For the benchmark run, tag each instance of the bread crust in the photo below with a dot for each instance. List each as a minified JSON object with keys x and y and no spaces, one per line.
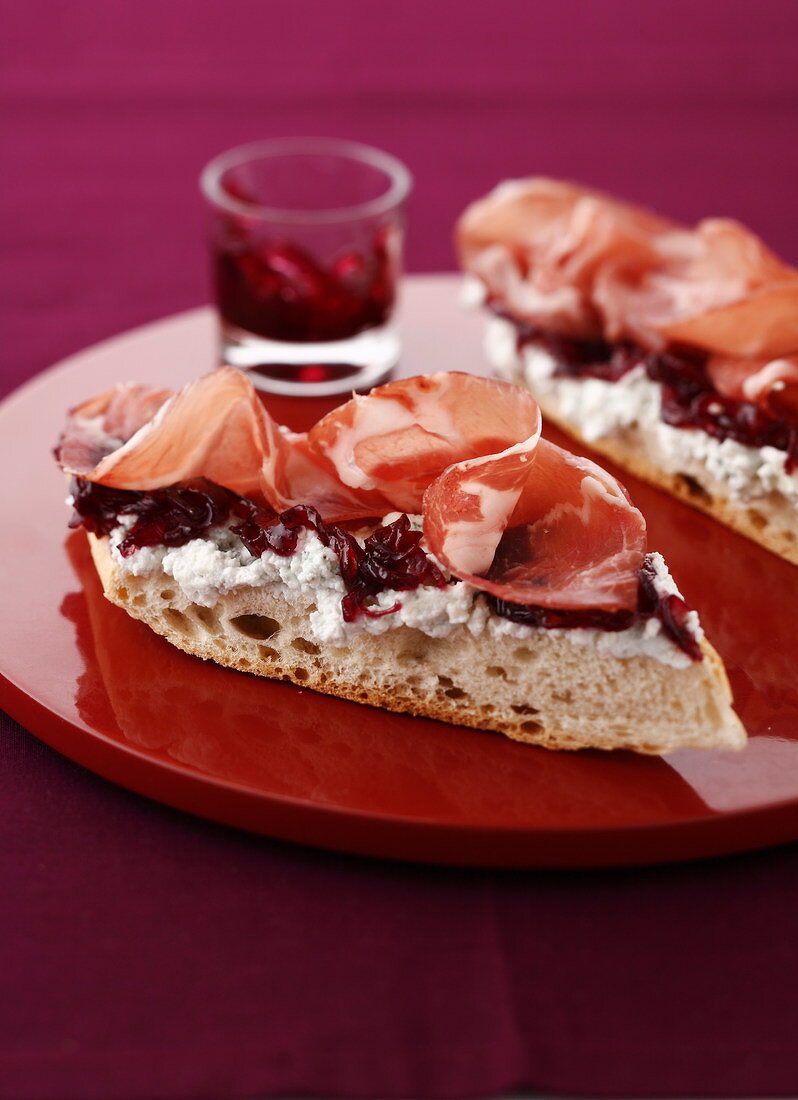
{"x":544,"y":690}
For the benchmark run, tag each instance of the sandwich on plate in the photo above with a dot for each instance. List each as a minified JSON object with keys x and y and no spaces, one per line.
{"x":420,"y":548}
{"x":673,"y":351}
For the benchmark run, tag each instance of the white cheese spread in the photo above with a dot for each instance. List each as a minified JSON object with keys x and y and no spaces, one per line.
{"x":207,"y":568}
{"x":599,"y":409}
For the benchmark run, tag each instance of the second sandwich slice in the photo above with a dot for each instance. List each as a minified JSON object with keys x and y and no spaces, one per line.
{"x":672,"y":351}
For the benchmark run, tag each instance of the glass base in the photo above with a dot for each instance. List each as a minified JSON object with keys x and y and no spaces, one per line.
{"x":312,"y":370}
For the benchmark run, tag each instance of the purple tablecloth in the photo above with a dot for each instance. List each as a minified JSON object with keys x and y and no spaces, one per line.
{"x":144,"y":953}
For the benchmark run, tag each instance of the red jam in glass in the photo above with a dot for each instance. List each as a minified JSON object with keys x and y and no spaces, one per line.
{"x":277,"y":290}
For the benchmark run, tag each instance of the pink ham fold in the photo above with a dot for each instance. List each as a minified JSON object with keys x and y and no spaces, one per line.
{"x":502,"y":509}
{"x":537,"y":525}
{"x":104,"y":423}
{"x":579,"y":263}
{"x":397,"y":440}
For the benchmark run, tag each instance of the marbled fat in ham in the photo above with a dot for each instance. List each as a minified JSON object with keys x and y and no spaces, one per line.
{"x":538,"y":525}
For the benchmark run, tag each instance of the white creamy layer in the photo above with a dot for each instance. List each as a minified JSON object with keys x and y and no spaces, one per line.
{"x":599,"y":409}
{"x":207,"y":568}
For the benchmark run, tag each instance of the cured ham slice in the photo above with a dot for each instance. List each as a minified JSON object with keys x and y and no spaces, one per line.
{"x":771,"y":385}
{"x":502,"y":509}
{"x":102,"y":424}
{"x":537,"y":525}
{"x":775,"y":388}
{"x":214,"y":428}
{"x":373,"y":455}
{"x":539,"y":244}
{"x":394,"y":442}
{"x":576,"y":262}
{"x":718,"y":288}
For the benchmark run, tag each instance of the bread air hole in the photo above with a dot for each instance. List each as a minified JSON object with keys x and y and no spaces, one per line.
{"x":531,"y":727}
{"x":167,"y":594}
{"x":522,"y":654}
{"x":756,"y":519}
{"x":524,"y":708}
{"x":455,"y":693}
{"x":409,"y":656}
{"x":207,"y":616}
{"x":122,"y":594}
{"x":255,"y":626}
{"x":304,"y":646}
{"x":300,"y":674}
{"x":267,"y":652}
{"x":694,"y":488}
{"x":178,"y":622}
{"x":499,"y":673}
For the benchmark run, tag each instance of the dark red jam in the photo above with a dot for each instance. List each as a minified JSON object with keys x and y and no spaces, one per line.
{"x":279,"y":291}
{"x":652,"y":603}
{"x":391,"y":558}
{"x":689,"y":399}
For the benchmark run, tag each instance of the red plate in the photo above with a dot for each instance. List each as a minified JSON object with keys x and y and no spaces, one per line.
{"x":275,"y":759}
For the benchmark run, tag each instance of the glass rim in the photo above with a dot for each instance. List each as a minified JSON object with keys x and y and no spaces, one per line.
{"x":401,"y":181}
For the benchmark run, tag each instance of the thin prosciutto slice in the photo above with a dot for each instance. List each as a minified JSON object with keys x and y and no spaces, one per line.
{"x":214,"y":428}
{"x":372,"y":455}
{"x":102,"y":424}
{"x":582,"y":264}
{"x":394,"y":442}
{"x":537,"y":525}
{"x":501,"y":508}
{"x":717,"y":288}
{"x":538,"y":245}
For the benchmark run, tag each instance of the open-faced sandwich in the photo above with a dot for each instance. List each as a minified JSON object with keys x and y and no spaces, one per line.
{"x":420,"y":549}
{"x":673,"y":351}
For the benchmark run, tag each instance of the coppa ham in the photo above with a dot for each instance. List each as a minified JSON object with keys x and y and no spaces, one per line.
{"x":102,"y":424}
{"x":581,"y":264}
{"x":538,"y":245}
{"x":399,"y":438}
{"x":511,"y":514}
{"x":214,"y":428}
{"x":537,"y":525}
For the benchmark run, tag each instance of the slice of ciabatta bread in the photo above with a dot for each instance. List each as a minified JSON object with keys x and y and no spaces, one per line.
{"x":540,"y":687}
{"x":421,"y":549}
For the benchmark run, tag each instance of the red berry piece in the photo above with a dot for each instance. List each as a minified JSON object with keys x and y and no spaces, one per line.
{"x":298,"y":269}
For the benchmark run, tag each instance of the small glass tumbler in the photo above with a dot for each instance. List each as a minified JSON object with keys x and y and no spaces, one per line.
{"x":306,"y":240}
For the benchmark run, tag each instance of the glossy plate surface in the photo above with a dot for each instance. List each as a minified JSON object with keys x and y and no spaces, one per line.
{"x":273,"y":758}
